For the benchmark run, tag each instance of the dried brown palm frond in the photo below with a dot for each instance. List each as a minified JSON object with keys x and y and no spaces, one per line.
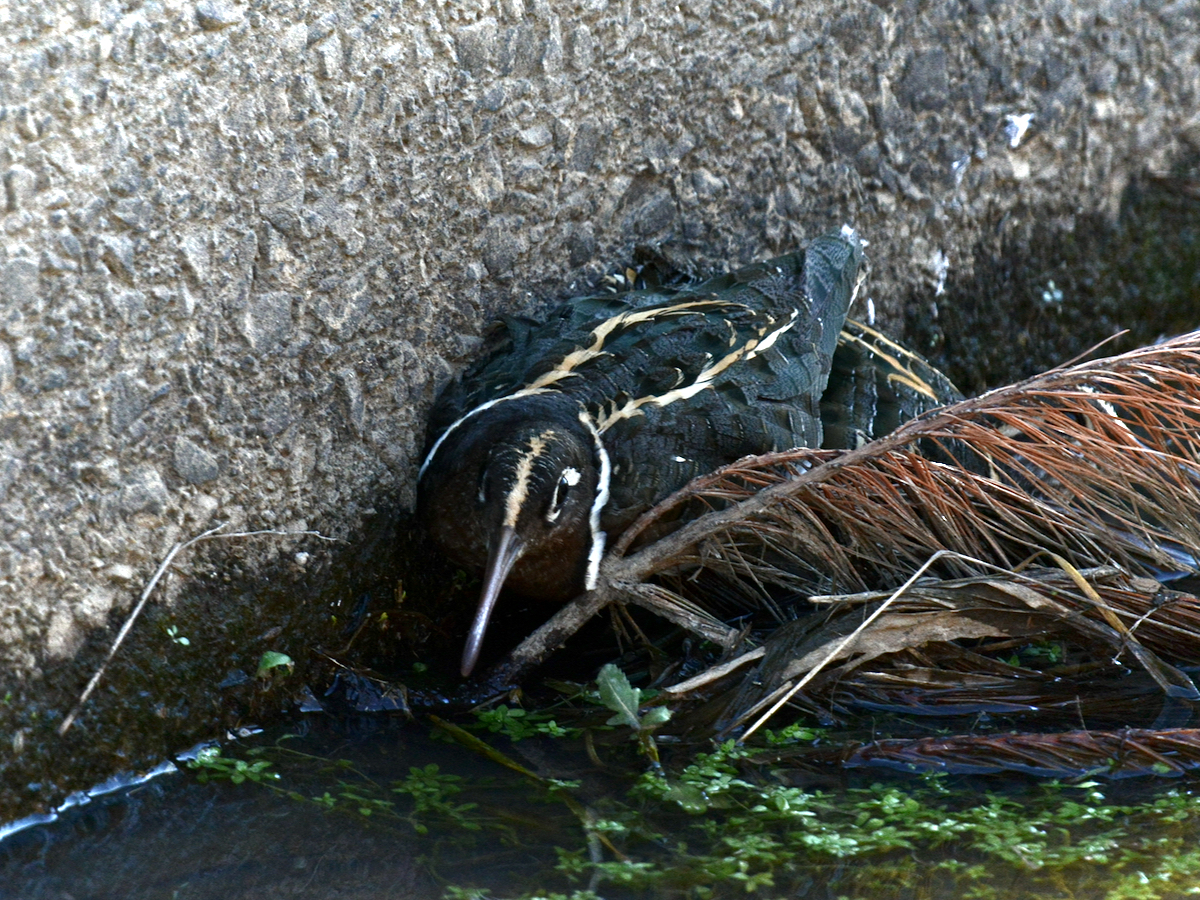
{"x":929,"y":684}
{"x":946,"y":647}
{"x":1099,"y":462}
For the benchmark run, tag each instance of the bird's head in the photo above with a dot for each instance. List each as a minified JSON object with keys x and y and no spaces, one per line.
{"x":511,"y":490}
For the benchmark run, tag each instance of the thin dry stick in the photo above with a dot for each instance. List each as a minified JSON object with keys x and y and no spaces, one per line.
{"x":1079,"y":358}
{"x":845,"y":642}
{"x":212,"y":533}
{"x":712,"y":673}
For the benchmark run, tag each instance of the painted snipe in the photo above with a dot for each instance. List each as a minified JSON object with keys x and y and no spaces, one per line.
{"x":572,"y":428}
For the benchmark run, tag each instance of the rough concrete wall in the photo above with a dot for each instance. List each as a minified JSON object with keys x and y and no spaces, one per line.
{"x":245,"y":242}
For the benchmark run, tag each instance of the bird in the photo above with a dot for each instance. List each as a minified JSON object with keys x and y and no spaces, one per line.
{"x":570,"y":428}
{"x":875,"y":385}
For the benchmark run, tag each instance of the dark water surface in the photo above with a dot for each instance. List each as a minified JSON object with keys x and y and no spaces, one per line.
{"x":174,"y":837}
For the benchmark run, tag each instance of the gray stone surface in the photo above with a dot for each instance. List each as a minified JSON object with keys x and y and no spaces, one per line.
{"x":245,"y":242}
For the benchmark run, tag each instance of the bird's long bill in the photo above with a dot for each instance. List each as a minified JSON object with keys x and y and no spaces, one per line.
{"x":506,"y":551}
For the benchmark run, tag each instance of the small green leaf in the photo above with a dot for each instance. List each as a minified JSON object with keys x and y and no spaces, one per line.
{"x":272,"y":660}
{"x":656,"y":715}
{"x":620,"y":696}
{"x":689,"y":797}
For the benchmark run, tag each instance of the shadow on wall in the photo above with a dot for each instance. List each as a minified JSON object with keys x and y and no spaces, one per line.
{"x":199,"y":655}
{"x":1043,"y":293}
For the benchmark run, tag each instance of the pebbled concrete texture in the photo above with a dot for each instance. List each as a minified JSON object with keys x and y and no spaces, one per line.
{"x":244,"y":243}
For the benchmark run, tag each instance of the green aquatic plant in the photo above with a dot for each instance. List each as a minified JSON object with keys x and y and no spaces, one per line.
{"x":272,"y":660}
{"x":736,"y":821}
{"x":618,"y":695}
{"x":211,"y":765}
{"x":747,"y":837}
{"x":517,"y":724}
{"x":432,"y":792}
{"x":796,"y":733}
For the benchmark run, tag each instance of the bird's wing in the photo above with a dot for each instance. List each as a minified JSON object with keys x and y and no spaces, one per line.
{"x":875,"y":386}
{"x":767,"y":399}
{"x":730,"y":366}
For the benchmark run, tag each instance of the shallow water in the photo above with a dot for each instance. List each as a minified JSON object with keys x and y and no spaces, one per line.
{"x":174,"y":837}
{"x":177,"y":838}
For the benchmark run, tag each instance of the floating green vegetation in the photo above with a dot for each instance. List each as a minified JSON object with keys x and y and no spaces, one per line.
{"x":921,"y":839}
{"x":431,"y":794}
{"x":211,"y":765}
{"x":517,"y":724}
{"x":733,"y":822}
{"x":273,"y":659}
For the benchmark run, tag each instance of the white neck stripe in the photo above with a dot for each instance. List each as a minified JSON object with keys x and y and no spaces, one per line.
{"x":596,"y":551}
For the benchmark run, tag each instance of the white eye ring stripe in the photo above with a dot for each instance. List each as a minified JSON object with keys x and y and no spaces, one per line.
{"x":569,"y":478}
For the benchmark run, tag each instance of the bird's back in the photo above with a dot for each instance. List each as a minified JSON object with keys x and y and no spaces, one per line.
{"x":678,"y":382}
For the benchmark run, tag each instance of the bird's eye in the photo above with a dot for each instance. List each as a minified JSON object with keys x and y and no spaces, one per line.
{"x":567,"y":480}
